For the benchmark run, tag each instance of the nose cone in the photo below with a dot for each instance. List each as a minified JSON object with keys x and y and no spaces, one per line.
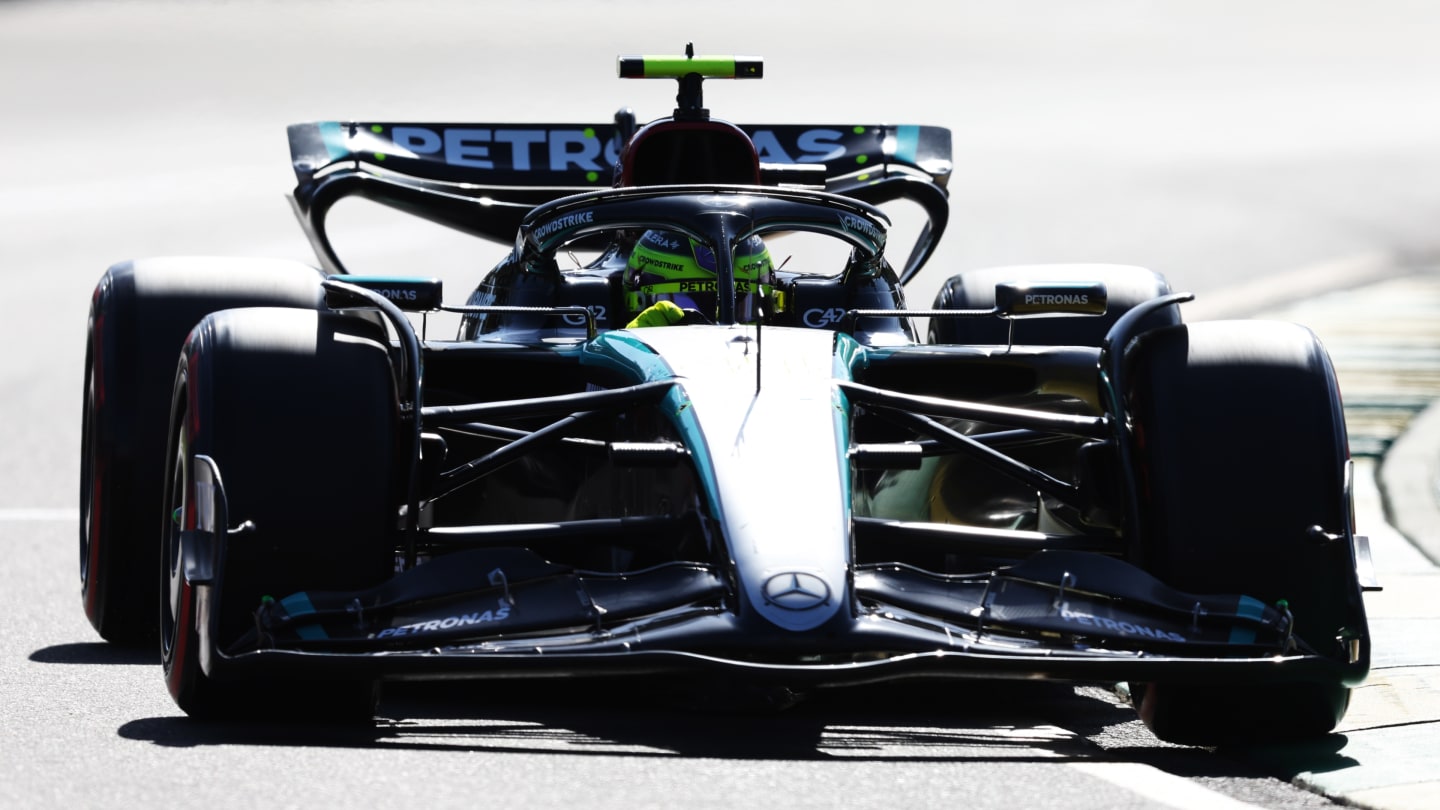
{"x":774,"y":429}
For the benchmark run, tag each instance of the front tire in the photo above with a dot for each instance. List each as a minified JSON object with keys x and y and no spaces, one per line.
{"x":1240,"y":450}
{"x":297,"y":409}
{"x":140,"y":313}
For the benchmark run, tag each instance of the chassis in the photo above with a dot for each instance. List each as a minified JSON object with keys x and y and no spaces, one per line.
{"x":1061,"y":480}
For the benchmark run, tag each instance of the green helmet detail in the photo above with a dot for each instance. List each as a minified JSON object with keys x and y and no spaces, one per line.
{"x":665,"y":265}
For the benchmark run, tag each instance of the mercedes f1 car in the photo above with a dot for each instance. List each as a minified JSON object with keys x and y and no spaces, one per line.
{"x":791,"y":487}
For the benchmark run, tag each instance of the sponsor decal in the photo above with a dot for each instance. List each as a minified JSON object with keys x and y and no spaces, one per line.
{"x":499,"y":614}
{"x":810,"y":146}
{"x":796,"y":590}
{"x":555,"y":150}
{"x":822,"y":318}
{"x":596,"y":311}
{"x":564,"y":149}
{"x":862,"y":226}
{"x":398,"y":294}
{"x":643,"y":261}
{"x":698,"y":286}
{"x":661,"y":239}
{"x":1124,"y":628}
{"x":1052,"y":299}
{"x":561,"y":223}
{"x":753,"y":266}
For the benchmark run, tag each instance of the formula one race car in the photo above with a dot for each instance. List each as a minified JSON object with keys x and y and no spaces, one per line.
{"x":679,"y":456}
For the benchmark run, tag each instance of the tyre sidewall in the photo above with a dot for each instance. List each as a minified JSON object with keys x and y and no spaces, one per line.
{"x":140,"y":314}
{"x":297,"y":410}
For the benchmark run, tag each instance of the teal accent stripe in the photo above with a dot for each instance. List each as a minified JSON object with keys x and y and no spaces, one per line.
{"x":297,"y":604}
{"x":626,"y":354}
{"x":334,"y":137}
{"x":353,"y":279}
{"x":842,"y":366}
{"x":623,"y":352}
{"x":677,"y":402}
{"x":312,"y":632}
{"x":1249,"y":609}
{"x":907,"y":143}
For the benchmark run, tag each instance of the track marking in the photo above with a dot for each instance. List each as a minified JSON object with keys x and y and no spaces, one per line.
{"x":1157,"y":785}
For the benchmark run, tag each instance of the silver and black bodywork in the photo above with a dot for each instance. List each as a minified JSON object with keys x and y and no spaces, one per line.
{"x":819,"y":498}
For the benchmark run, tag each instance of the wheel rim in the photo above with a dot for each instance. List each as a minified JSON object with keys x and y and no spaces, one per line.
{"x":177,"y":509}
{"x":87,"y":480}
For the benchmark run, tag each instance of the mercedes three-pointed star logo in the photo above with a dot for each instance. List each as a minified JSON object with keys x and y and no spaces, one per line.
{"x":795,"y":590}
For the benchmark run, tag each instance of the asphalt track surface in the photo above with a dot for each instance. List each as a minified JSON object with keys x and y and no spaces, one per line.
{"x":1220,"y":143}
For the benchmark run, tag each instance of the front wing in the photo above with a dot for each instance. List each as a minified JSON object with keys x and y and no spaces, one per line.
{"x":506,"y":612}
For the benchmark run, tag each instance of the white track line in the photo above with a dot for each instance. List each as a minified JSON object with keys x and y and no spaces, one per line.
{"x":1157,"y":785}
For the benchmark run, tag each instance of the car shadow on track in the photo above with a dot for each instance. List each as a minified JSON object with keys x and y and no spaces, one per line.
{"x":98,"y":653}
{"x":979,"y":721}
{"x":982,"y":720}
{"x":913,"y":721}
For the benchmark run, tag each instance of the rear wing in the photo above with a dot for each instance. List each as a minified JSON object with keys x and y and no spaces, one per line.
{"x":583,"y":156}
{"x":483,"y":178}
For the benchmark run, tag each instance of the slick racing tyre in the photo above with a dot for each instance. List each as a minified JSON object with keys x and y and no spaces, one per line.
{"x":140,"y":313}
{"x":1240,"y":450}
{"x":297,"y":409}
{"x":975,"y":289}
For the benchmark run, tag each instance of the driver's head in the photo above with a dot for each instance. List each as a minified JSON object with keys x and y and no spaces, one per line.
{"x":667,"y":266}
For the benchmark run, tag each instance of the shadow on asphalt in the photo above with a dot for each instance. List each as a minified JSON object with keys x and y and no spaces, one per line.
{"x":1311,"y":756}
{"x":979,"y":721}
{"x":96,"y":652}
{"x":649,"y":718}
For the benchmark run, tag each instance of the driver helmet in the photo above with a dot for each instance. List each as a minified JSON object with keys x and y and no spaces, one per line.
{"x":668,"y":266}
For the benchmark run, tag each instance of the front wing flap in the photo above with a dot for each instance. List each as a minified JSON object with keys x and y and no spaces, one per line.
{"x":507,"y":613}
{"x":500,"y":592}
